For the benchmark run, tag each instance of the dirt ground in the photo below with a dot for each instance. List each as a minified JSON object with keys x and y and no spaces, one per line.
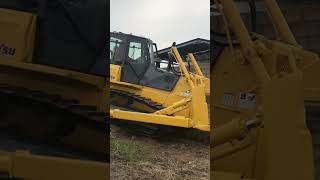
{"x":136,"y":157}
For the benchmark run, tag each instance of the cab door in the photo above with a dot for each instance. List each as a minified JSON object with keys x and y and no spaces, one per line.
{"x":136,"y":61}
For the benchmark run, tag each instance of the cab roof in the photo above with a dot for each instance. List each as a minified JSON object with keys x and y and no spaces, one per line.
{"x":130,"y":35}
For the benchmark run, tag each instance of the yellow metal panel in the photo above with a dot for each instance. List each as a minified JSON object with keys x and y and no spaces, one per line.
{"x":47,"y":70}
{"x":17,"y":33}
{"x":34,"y":167}
{"x":126,"y":85}
{"x":199,"y":108}
{"x":285,"y":136}
{"x":195,"y":64}
{"x":245,"y":40}
{"x":115,"y":72}
{"x":280,"y":22}
{"x":178,"y":121}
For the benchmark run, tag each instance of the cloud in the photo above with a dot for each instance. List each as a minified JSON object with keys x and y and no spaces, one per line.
{"x":162,"y":21}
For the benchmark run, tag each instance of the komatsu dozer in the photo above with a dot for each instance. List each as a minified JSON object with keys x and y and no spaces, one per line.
{"x":53,"y":90}
{"x":264,"y":102}
{"x":150,"y":96}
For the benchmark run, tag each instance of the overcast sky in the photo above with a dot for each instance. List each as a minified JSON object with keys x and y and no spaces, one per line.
{"x":163,"y":21}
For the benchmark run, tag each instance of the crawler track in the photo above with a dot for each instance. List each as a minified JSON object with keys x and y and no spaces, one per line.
{"x":142,"y":129}
{"x":146,"y":101}
{"x":47,"y":119}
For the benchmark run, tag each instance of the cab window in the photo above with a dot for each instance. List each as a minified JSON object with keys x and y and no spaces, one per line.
{"x":117,"y":50}
{"x":138,"y":57}
{"x":135,"y":51}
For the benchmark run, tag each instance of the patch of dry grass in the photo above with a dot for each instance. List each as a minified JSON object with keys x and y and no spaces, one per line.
{"x":128,"y":150}
{"x":158,"y":160}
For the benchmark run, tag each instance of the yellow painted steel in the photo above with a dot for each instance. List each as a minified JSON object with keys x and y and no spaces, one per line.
{"x":279,"y":21}
{"x":18,"y":30}
{"x":230,"y":130}
{"x":87,"y":88}
{"x":195,"y":64}
{"x":178,"y":106}
{"x":258,"y":123}
{"x":245,"y":40}
{"x":185,"y":72}
{"x":115,"y":73}
{"x":199,"y":73}
{"x":184,"y":106}
{"x":178,"y":121}
{"x":24,"y":165}
{"x":22,"y":37}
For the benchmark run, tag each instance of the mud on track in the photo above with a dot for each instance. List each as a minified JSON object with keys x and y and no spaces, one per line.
{"x":136,"y":157}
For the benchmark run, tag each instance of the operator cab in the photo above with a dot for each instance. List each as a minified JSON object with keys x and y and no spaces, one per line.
{"x":137,"y":58}
{"x":68,"y":34}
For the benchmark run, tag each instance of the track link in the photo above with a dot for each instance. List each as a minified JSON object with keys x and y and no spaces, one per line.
{"x":141,"y":129}
{"x":62,"y":116}
{"x":68,"y":105}
{"x":143,"y":100}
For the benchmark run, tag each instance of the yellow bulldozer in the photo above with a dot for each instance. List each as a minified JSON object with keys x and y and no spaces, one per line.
{"x":150,"y":96}
{"x":54,"y":89}
{"x":264,"y":102}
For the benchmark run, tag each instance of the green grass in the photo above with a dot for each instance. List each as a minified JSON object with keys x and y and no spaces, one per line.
{"x":129,"y":150}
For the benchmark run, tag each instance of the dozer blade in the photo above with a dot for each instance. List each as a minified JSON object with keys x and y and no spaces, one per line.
{"x":284,"y":121}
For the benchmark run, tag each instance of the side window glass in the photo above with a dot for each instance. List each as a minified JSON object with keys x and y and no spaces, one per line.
{"x":135,"y":51}
{"x":117,"y":50}
{"x":137,"y":57}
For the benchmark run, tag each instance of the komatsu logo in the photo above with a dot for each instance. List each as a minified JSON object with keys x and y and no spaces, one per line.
{"x":6,"y":50}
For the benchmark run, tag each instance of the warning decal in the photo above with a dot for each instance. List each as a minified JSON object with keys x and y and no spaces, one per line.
{"x":247,"y":100}
{"x":228,"y":99}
